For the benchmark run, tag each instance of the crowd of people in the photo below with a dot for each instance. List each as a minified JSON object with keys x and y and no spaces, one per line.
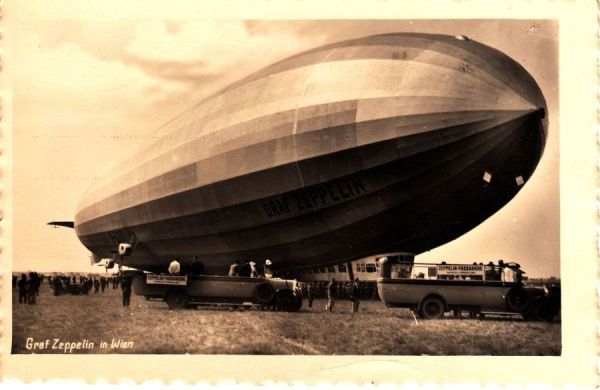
{"x":334,"y":290}
{"x":28,"y":285}
{"x":249,"y":269}
{"x":82,"y":284}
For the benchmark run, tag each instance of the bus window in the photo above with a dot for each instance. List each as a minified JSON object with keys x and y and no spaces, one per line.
{"x":341,"y":268}
{"x":432,"y":272}
{"x":371,"y":268}
{"x":362,"y":268}
{"x":331,"y":269}
{"x":322,"y":270}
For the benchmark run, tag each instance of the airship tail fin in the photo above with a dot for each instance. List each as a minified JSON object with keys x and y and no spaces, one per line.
{"x":69,"y":224}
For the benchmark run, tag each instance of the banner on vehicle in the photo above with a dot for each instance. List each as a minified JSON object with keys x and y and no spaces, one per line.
{"x":173,"y":280}
{"x":460,"y":269}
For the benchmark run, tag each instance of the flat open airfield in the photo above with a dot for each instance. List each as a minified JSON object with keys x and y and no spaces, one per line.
{"x":375,"y":330}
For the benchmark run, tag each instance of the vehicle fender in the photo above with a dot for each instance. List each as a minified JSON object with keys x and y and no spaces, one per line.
{"x":430,"y":296}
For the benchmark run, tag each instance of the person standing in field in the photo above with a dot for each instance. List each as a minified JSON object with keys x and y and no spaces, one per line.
{"x":330,"y":295}
{"x":309,"y":294}
{"x":355,"y":296}
{"x":126,"y":289}
{"x":31,"y":283}
{"x":35,"y":280}
{"x":22,"y":285}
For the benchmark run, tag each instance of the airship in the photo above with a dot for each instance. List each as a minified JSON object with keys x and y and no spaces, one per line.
{"x":387,"y":143}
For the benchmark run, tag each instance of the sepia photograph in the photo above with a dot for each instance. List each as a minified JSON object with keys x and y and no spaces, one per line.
{"x":286,"y":187}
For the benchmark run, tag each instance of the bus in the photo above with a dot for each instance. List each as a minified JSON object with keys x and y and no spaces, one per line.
{"x":431,"y":289}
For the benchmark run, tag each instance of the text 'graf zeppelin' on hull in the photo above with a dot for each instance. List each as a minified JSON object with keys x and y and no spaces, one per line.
{"x":397,"y":142}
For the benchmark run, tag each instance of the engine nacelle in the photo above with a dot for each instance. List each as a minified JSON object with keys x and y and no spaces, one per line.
{"x":124,"y":249}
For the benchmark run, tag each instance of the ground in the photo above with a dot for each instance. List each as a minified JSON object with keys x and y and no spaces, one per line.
{"x":153,"y":328}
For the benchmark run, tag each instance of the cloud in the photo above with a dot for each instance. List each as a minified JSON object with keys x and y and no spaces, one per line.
{"x":219,"y":48}
{"x":52,"y":81}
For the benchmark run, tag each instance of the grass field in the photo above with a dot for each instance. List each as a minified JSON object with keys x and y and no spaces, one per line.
{"x":152,"y":328}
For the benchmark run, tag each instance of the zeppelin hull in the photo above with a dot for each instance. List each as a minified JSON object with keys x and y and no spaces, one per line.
{"x":399,"y":142}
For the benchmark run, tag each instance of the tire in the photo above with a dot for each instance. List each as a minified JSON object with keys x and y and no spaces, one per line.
{"x":177,"y":299}
{"x":542,"y":311}
{"x":298,"y":302}
{"x":517,"y":300}
{"x":286,"y":301}
{"x":432,"y":308}
{"x":263,"y":293}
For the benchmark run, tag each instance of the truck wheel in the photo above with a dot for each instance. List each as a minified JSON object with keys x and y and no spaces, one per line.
{"x":298,"y":305}
{"x":432,"y":308}
{"x":264,"y":293}
{"x":543,"y":312}
{"x":177,"y":299}
{"x":285,"y":300}
{"x":517,"y":300}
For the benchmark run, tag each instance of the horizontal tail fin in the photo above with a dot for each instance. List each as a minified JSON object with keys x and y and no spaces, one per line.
{"x":69,"y":224}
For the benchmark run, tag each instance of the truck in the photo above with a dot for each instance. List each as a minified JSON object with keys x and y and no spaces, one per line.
{"x":431,"y":290}
{"x":184,"y":291}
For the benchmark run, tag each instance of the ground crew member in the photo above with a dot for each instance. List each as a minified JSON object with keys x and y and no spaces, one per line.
{"x":519,"y":274}
{"x":309,"y":294}
{"x":88,"y":286}
{"x":355,"y":296}
{"x":96,"y":285}
{"x":244,"y":270}
{"x":102,"y":284}
{"x":57,"y":286}
{"x":330,"y":295}
{"x":233,"y":268}
{"x":253,"y":272}
{"x":31,"y":283}
{"x":126,"y":289}
{"x":508,"y":274}
{"x":267,"y":269}
{"x":174,"y":267}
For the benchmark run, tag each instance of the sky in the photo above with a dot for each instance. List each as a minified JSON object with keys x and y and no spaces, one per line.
{"x":87,"y":91}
